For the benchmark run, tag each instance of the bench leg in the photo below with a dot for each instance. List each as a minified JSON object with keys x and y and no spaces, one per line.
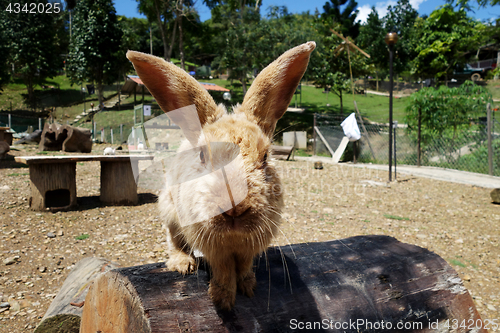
{"x":53,"y":186}
{"x":118,"y":186}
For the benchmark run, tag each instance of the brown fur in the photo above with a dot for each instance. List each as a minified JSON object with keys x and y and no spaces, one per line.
{"x":229,"y":241}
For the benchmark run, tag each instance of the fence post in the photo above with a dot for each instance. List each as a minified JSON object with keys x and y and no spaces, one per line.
{"x":40,"y":124}
{"x":95,"y":129}
{"x":419,"y":149}
{"x":121,"y":133}
{"x":10,"y":121}
{"x":102,"y":135}
{"x":314,"y":135}
{"x":490,"y":147}
{"x":112,"y":141}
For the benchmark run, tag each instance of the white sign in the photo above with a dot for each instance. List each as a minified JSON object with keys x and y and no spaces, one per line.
{"x":296,"y":139}
{"x":147,"y":110}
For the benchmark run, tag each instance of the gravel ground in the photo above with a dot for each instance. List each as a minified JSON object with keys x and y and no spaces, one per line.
{"x":38,"y":249}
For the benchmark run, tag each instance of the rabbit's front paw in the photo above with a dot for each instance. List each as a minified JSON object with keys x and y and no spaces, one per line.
{"x":247,"y":283}
{"x":221,"y":295}
{"x":182,"y":263}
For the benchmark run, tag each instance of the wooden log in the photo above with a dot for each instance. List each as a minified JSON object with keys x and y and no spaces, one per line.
{"x":118,"y":186}
{"x":63,"y":315}
{"x":53,"y":186}
{"x":52,"y":137}
{"x":4,"y":149}
{"x":79,"y":140}
{"x":350,"y":285}
{"x":495,"y":195}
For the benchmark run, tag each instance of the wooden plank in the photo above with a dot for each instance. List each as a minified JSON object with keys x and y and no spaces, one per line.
{"x":340,"y":149}
{"x":324,"y":141}
{"x":79,"y":158}
{"x":282,"y":152}
{"x":66,"y":309}
{"x":365,"y":280}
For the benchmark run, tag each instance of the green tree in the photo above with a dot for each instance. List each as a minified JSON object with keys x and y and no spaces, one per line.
{"x":94,"y":51}
{"x":343,"y":13}
{"x":445,"y":39}
{"x":371,"y":40}
{"x":238,"y":23}
{"x":401,"y":19}
{"x":445,"y":108}
{"x":34,"y":47}
{"x":4,"y":45}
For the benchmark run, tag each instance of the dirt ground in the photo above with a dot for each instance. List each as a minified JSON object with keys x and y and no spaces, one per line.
{"x":38,"y":249}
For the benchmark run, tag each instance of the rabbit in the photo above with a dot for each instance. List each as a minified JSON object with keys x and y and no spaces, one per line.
{"x":231,"y":238}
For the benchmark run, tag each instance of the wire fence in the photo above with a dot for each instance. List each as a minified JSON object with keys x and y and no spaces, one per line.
{"x":21,"y":123}
{"x":464,"y":148}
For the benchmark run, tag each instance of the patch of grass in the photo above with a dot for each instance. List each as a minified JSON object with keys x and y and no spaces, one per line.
{"x":394,"y":217}
{"x":82,"y":237}
{"x":314,"y":211}
{"x":457,"y":262}
{"x":15,"y":174}
{"x":42,"y":153}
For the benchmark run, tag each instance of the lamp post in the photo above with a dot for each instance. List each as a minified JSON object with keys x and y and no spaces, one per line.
{"x":390,"y":39}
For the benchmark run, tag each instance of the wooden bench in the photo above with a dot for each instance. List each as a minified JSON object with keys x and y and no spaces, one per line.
{"x":6,"y":135}
{"x":282,"y":152}
{"x":53,"y":179}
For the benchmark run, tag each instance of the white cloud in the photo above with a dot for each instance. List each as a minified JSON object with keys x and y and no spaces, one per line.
{"x":416,"y":3}
{"x":381,"y":8}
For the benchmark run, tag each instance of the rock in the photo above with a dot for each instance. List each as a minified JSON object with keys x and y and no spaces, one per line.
{"x":495,"y":195}
{"x":328,"y":210}
{"x":5,"y":305}
{"x":14,"y":306}
{"x":4,"y":188}
{"x":491,"y":307}
{"x":459,"y":241}
{"x":11,"y":260}
{"x":421,"y":236}
{"x":466,"y":277}
{"x":42,"y":269}
{"x":60,"y":233}
{"x":51,"y":235}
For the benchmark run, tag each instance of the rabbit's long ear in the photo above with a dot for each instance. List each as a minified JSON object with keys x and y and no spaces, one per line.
{"x":172,"y":87}
{"x":269,"y":96}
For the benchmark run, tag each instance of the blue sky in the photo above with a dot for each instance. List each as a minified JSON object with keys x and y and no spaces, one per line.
{"x":424,"y":7}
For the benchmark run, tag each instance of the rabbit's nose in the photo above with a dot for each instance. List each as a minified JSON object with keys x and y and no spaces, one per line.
{"x":235,"y":211}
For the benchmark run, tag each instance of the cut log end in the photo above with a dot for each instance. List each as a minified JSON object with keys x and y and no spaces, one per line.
{"x":61,"y":323}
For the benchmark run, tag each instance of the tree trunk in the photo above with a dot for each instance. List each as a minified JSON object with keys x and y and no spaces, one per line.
{"x":181,"y":46}
{"x":364,"y":280}
{"x":243,"y":80}
{"x":162,"y":31}
{"x":341,"y":104}
{"x":172,"y":41}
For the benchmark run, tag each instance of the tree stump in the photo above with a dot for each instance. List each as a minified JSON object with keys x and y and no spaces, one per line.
{"x":79,"y":140}
{"x":66,"y":309}
{"x":4,"y":149}
{"x":495,"y":195}
{"x":351,"y":285}
{"x":67,"y":138}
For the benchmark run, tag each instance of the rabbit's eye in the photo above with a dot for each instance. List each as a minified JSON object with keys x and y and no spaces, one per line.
{"x":202,"y":157}
{"x":264,"y":161}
